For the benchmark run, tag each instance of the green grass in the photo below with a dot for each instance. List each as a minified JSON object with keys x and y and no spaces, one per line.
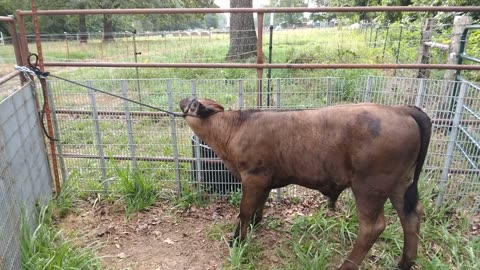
{"x":190,"y":196}
{"x":47,"y":248}
{"x":136,"y":191}
{"x":235,"y":198}
{"x":244,"y":254}
{"x":326,"y":238}
{"x":218,"y":231}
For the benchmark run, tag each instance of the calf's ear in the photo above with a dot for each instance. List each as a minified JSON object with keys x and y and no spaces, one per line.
{"x":203,"y":110}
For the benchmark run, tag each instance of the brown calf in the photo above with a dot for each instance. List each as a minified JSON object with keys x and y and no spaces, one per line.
{"x":377,"y":151}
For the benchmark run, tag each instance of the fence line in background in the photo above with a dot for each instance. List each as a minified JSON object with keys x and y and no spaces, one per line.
{"x":166,"y":150}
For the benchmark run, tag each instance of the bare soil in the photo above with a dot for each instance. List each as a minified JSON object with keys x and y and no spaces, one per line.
{"x":166,"y":238}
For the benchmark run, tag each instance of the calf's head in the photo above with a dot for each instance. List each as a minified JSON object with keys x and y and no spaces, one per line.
{"x":197,"y":112}
{"x":199,"y":108}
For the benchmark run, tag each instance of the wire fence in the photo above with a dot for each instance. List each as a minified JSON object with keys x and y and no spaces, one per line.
{"x":325,"y":44}
{"x":92,"y":128}
{"x":25,"y":181}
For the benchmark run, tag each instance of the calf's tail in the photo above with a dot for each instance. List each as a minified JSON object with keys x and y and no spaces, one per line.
{"x":425,"y":126}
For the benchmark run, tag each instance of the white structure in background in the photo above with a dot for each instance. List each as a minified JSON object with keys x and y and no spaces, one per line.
{"x":2,"y":41}
{"x":354,"y":26}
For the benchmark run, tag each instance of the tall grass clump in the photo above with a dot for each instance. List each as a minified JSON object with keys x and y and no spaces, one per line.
{"x":190,"y":196}
{"x":47,"y":248}
{"x":243,"y":254}
{"x":137,"y":192}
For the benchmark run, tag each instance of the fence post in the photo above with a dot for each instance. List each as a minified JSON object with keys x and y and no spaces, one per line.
{"x":399,"y":43}
{"x":240,"y":94}
{"x":174,"y":137}
{"x":368,"y":90}
{"x":451,"y":145}
{"x":57,"y":133}
{"x":459,"y":24}
{"x":98,"y":135}
{"x":260,"y":59}
{"x":424,"y":50}
{"x":329,"y":91}
{"x":376,"y":35}
{"x":421,"y":90}
{"x":279,"y":190}
{"x":128,"y":120}
{"x":385,"y":41}
{"x":370,"y":36}
{"x":198,"y":164}
{"x":278,"y":94}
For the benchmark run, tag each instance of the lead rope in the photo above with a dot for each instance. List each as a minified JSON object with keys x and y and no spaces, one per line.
{"x":34,"y":70}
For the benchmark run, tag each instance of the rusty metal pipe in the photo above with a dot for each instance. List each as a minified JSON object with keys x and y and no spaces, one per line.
{"x":9,"y":76}
{"x":259,"y":57}
{"x":48,"y":114}
{"x":6,"y":19}
{"x":264,"y":65}
{"x":254,"y":10}
{"x":16,"y":45}
{"x":22,"y":40}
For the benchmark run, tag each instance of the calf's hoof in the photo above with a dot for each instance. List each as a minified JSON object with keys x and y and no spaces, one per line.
{"x":348,"y":265}
{"x":405,"y":265}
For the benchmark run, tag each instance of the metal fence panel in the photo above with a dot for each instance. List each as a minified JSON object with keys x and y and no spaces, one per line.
{"x":166,"y":149}
{"x":24,"y":170}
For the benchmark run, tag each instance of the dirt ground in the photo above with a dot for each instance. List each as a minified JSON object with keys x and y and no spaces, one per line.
{"x":165,"y":238}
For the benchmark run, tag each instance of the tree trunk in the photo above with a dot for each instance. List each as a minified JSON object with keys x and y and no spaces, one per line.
{"x":82,"y":28}
{"x":107,"y":28}
{"x":243,"y":38}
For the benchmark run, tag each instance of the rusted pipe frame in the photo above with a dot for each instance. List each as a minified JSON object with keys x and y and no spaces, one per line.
{"x":263,"y":66}
{"x":9,"y":76}
{"x":254,"y":10}
{"x":259,"y":58}
{"x":22,"y":39}
{"x":16,"y":45}
{"x":48,"y":113}
{"x":6,"y":19}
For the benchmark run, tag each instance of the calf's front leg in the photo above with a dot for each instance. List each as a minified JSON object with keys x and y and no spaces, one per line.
{"x":254,"y":196}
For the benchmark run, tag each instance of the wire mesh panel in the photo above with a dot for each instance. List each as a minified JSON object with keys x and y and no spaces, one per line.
{"x":24,"y":171}
{"x":94,"y":127}
{"x":464,"y":170}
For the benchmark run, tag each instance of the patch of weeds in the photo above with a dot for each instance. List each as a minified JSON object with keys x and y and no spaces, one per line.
{"x":295,"y":199}
{"x":311,"y":254}
{"x":190,"y":196}
{"x":46,"y":247}
{"x":235,"y":197}
{"x":272,"y":223}
{"x":219,"y":230}
{"x":136,"y":191}
{"x":242,"y":255}
{"x":62,"y":204}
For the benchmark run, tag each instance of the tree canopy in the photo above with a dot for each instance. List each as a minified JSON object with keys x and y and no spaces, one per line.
{"x":119,"y":23}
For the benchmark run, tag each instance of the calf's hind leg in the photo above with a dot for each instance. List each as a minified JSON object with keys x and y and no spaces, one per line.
{"x":411,"y":230}
{"x":371,"y":225}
